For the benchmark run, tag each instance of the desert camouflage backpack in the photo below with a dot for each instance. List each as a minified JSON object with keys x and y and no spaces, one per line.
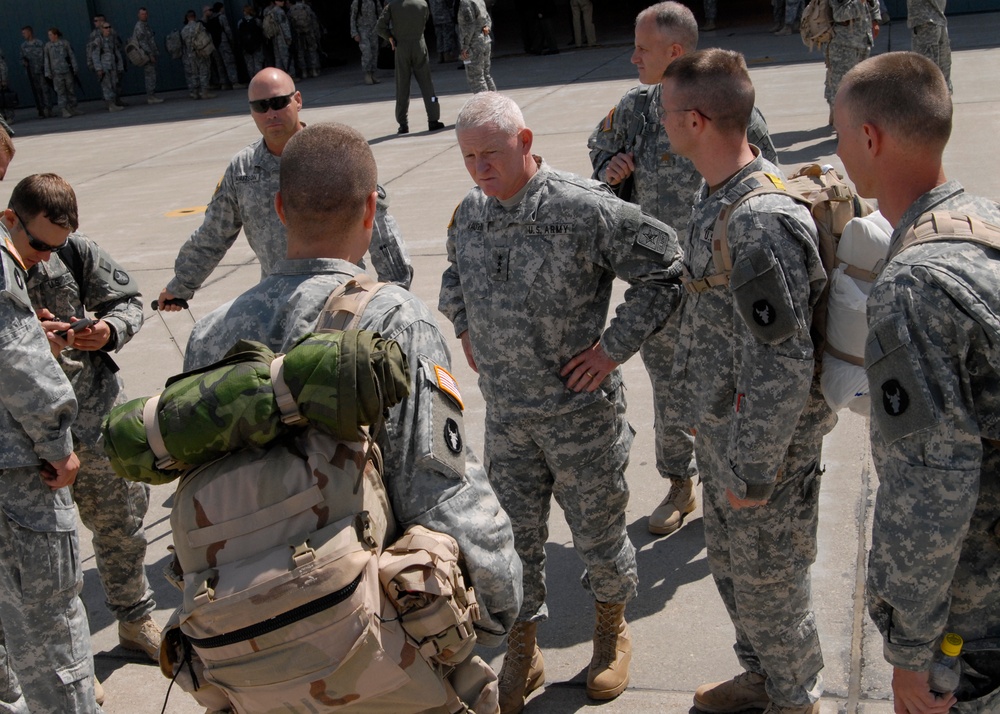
{"x":816,"y":26}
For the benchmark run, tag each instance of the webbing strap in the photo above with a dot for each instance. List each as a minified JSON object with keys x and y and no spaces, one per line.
{"x":843,"y":356}
{"x":346,"y":303}
{"x":945,"y":225}
{"x":259,"y":519}
{"x":859,"y":273}
{"x":290,"y":413}
{"x":151,"y":423}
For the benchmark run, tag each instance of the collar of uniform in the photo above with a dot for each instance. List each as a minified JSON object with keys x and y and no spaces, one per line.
{"x":316,"y":266}
{"x":525,"y":211}
{"x":928,"y":202}
{"x":736,"y":185}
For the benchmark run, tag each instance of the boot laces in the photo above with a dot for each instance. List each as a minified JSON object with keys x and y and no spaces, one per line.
{"x":606,"y":635}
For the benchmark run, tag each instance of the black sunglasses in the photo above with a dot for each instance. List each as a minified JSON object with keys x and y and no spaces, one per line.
{"x":39,"y":245}
{"x":276,"y":103}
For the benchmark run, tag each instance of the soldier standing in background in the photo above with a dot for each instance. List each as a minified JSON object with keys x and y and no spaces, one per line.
{"x":533,"y":253}
{"x":364,"y":17}
{"x":33,"y":59}
{"x":855,"y":27}
{"x":632,"y":145}
{"x":107,"y":65}
{"x":443,"y":16}
{"x":60,"y":67}
{"x":146,"y":40}
{"x":745,"y":355}
{"x":223,"y":59}
{"x":201,"y":65}
{"x":929,"y":26}
{"x":279,"y":31}
{"x":251,"y":38}
{"x":307,"y":33}
{"x":474,"y":28}
{"x":583,"y":13}
{"x":934,"y":371}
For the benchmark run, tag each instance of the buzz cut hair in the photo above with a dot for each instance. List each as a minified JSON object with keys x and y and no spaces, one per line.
{"x":675,"y":21}
{"x":46,"y":195}
{"x":328,"y":172}
{"x":717,"y":84}
{"x":6,"y":145}
{"x":903,"y":93}
{"x":491,"y":109}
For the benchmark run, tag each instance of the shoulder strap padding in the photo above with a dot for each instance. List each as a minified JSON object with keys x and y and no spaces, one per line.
{"x":946,"y":225}
{"x":346,"y":304}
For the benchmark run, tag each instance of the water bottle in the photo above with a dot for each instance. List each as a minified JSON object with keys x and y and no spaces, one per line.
{"x":946,"y":667}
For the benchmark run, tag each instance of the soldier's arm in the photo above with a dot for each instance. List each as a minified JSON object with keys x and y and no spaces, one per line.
{"x":609,"y":136}
{"x":466,"y":27}
{"x":927,"y":451}
{"x":451,"y":298}
{"x":355,"y":32}
{"x":382,"y":26}
{"x":388,"y":253}
{"x":111,"y":293}
{"x":757,"y":134}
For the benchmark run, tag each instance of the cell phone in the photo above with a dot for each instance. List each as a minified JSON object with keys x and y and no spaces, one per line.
{"x":75,"y":327}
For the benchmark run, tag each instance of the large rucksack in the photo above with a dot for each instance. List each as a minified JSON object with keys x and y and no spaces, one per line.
{"x":272,"y":27}
{"x":174,"y":45}
{"x":250,"y":35}
{"x":136,"y":55}
{"x":201,"y":41}
{"x":816,"y":26}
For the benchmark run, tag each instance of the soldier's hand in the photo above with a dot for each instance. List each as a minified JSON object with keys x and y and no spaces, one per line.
{"x":165,"y":306}
{"x":875,"y":30}
{"x":738,"y":503}
{"x":100,"y":74}
{"x":620,"y":168}
{"x":911,"y":694}
{"x":587,"y":370}
{"x":357,"y":38}
{"x":57,"y":474}
{"x":392,"y":43}
{"x":90,"y":338}
{"x":464,"y":55}
{"x":467,"y":348}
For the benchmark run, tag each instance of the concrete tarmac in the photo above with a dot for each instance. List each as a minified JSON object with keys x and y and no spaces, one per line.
{"x":143,"y":177}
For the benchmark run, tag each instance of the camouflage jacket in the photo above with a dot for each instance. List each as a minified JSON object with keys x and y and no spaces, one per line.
{"x":145,"y":38}
{"x":432,"y":482}
{"x":59,"y":59}
{"x":281,"y":17}
{"x":472,"y":18}
{"x":934,"y":371}
{"x":665,"y":183}
{"x":303,"y":19}
{"x":744,"y":353}
{"x":244,"y":199}
{"x":532,"y":285}
{"x":364,"y":15}
{"x":33,"y":55}
{"x":37,"y":405}
{"x":111,"y":295}
{"x":921,"y":12}
{"x":104,"y":57}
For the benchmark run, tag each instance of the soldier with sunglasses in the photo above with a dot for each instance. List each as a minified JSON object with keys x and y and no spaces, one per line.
{"x":244,"y":199}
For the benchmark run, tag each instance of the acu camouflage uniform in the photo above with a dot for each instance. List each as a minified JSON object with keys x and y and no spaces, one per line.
{"x":111,"y":507}
{"x":281,"y":43}
{"x":146,"y":39}
{"x":745,"y":356}
{"x":851,"y":42}
{"x":244,"y":199}
{"x":307,"y":33}
{"x":47,"y":637}
{"x":430,"y":481}
{"x":443,"y":16}
{"x":364,"y":16}
{"x":105,"y":58}
{"x":223,"y":59}
{"x":665,"y":187}
{"x":60,"y":66}
{"x":33,"y":59}
{"x":197,"y":69}
{"x":532,"y":285}
{"x":472,"y":39}
{"x":929,"y":26}
{"x":253,"y":58}
{"x":934,"y":566}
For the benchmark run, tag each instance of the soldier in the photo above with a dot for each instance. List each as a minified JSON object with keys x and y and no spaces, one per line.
{"x":855,"y":27}
{"x":46,"y":639}
{"x":251,"y":40}
{"x":6,"y":150}
{"x":931,"y":357}
{"x":307,"y":32}
{"x":443,"y":16}
{"x":223,"y":60}
{"x":245,"y":199}
{"x":630,"y":145}
{"x":364,"y":16}
{"x":33,"y":59}
{"x":745,"y":356}
{"x":401,"y":24}
{"x":279,"y":31}
{"x":200,"y":65}
{"x":107,"y":64}
{"x":60,"y":67}
{"x":929,"y":26}
{"x":474,"y":27}
{"x":583,"y":10}
{"x":533,"y":254}
{"x":146,"y":39}
{"x":93,"y":39}
{"x":790,"y":23}
{"x":328,"y":200}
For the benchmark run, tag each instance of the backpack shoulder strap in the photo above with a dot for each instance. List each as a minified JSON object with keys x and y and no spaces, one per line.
{"x":946,"y":225}
{"x":633,"y":133}
{"x":346,"y":304}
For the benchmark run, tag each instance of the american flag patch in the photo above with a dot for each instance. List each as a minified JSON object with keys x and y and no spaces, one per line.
{"x":448,"y":385}
{"x":608,"y":120}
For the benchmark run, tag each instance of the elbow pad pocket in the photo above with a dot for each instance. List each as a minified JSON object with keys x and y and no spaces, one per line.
{"x":440,"y":431}
{"x":761,"y":296}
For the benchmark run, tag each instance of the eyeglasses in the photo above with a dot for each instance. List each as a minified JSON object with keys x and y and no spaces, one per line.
{"x":105,"y":27}
{"x":276,"y":103}
{"x":39,"y":245}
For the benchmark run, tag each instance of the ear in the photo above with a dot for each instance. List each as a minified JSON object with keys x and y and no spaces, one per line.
{"x":676,"y":50}
{"x":874,"y":139}
{"x":279,"y":208}
{"x":7,"y":216}
{"x":371,"y":206}
{"x":526,"y":138}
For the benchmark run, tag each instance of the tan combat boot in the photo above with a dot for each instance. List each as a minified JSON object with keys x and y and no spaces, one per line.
{"x":744,"y":691}
{"x":98,"y":691}
{"x":523,"y":668}
{"x":807,"y":709}
{"x":143,"y":635}
{"x":607,"y":675}
{"x":680,"y":501}
{"x":369,"y":78}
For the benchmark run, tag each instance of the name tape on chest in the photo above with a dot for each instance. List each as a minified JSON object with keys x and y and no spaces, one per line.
{"x":550,"y":229}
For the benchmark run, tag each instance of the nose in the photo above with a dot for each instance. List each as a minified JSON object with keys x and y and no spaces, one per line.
{"x":635,"y":57}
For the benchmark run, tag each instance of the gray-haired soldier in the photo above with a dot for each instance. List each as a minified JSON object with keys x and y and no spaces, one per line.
{"x":244,"y":199}
{"x":47,"y":638}
{"x":327,"y":200}
{"x":934,"y":371}
{"x":533,"y":253}
{"x":745,"y":357}
{"x":630,"y":144}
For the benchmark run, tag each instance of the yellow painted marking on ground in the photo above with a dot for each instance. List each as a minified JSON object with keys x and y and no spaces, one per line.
{"x":181,"y":212}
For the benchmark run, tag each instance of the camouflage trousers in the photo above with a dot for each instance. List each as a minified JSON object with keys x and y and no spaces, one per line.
{"x":112,"y":508}
{"x":219,"y":69}
{"x":254,"y":61}
{"x":307,"y":54}
{"x":848,"y":47}
{"x":711,"y":10}
{"x":369,"y":49}
{"x":197,"y":71}
{"x":477,"y":66}
{"x":446,"y":38}
{"x":579,"y":458}
{"x":674,"y":443}
{"x":932,"y":41}
{"x":11,"y":697}
{"x":62,"y":83}
{"x":109,"y":85}
{"x":149,"y":78}
{"x":41,"y":91}
{"x":45,"y":626}
{"x":282,"y":58}
{"x":760,"y":558}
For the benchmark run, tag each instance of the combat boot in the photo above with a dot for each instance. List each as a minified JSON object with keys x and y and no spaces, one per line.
{"x":523,"y":668}
{"x":207,"y":95}
{"x":143,"y":635}
{"x":680,"y":501}
{"x":773,"y":708}
{"x":744,"y":691}
{"x":607,"y":675}
{"x":369,"y":78}
{"x":98,"y":691}
{"x":66,"y":114}
{"x":112,"y":107}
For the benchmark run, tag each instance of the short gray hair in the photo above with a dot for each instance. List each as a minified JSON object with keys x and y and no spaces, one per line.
{"x":491,"y":109}
{"x":674,"y":20}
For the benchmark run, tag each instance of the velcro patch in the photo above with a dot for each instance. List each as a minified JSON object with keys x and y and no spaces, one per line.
{"x":776,"y":180}
{"x":448,"y":384}
{"x":609,"y":120}
{"x":651,"y":239}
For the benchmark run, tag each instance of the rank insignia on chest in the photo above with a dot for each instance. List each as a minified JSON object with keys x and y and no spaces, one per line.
{"x":499,"y":264}
{"x":448,"y":384}
{"x":652,"y":240}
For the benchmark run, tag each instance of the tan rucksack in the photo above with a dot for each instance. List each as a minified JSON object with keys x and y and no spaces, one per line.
{"x":816,"y":26}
